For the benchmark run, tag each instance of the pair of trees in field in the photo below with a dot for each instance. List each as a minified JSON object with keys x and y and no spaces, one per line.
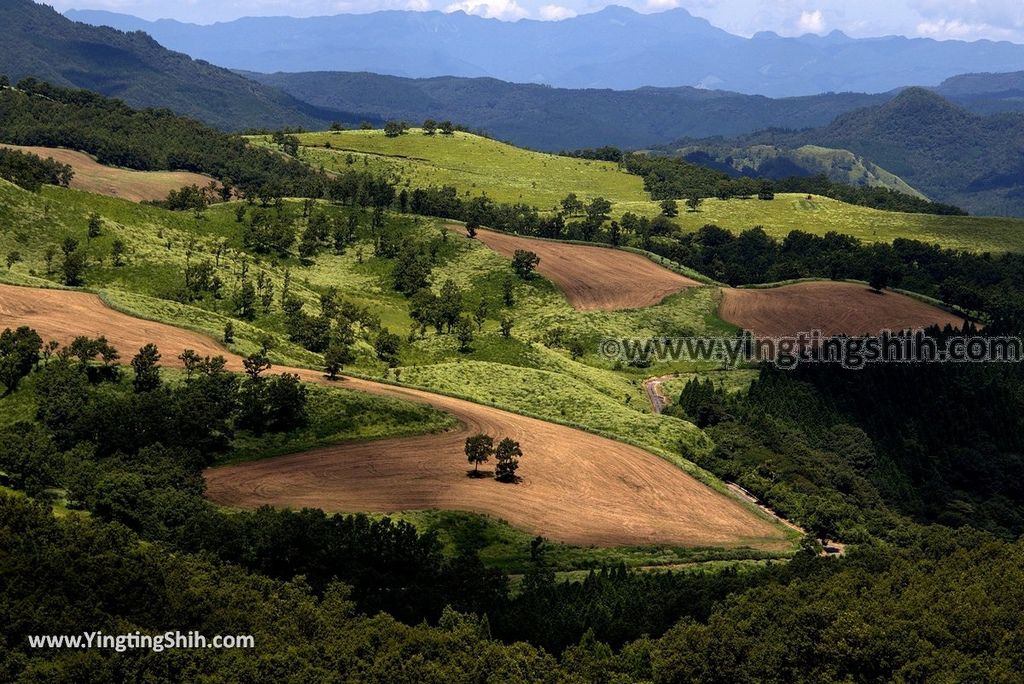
{"x":480,"y":448}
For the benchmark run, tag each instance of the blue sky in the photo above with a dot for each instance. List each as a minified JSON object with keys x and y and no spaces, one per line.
{"x":942,"y":19}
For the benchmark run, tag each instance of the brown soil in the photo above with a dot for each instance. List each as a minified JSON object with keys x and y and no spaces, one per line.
{"x":577,"y":487}
{"x":593,"y":278}
{"x":831,"y":307}
{"x":128,"y":184}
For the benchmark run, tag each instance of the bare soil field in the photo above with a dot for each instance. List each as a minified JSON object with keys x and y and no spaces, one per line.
{"x":593,"y":278}
{"x":127,"y":184}
{"x":577,"y":487}
{"x":832,"y":307}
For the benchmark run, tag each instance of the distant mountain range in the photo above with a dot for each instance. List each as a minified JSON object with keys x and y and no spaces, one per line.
{"x":39,"y":42}
{"x":945,"y":151}
{"x":613,"y":48}
{"x":555,"y":119}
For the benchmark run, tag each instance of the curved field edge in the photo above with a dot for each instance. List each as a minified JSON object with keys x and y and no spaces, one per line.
{"x":734,"y":523}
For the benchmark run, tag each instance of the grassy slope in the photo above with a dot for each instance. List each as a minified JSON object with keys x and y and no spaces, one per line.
{"x":474,"y":165}
{"x":519,"y":373}
{"x":477,"y":165}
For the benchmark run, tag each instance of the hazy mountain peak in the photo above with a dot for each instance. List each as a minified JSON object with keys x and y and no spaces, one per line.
{"x":616,"y":47}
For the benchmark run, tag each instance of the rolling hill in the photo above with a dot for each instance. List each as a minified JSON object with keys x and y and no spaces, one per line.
{"x":479,"y":166}
{"x":39,"y":42}
{"x":947,"y":152}
{"x":612,"y":48}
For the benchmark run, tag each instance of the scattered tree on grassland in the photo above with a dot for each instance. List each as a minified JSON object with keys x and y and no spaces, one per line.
{"x":506,"y":326}
{"x":508,"y":291}
{"x":669,"y":208}
{"x":464,"y":332}
{"x":480,"y":315}
{"x":386,"y":346}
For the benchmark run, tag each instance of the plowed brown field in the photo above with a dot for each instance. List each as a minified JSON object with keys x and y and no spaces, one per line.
{"x":834,"y":308}
{"x":593,"y":278}
{"x":128,"y":184}
{"x":577,"y":487}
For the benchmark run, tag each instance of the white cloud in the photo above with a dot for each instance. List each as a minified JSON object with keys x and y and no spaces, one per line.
{"x":942,"y":19}
{"x":492,"y":9}
{"x":555,"y":12}
{"x":811,"y":22}
{"x":961,"y":30}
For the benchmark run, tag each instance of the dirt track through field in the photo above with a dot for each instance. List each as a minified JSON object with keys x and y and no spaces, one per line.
{"x":593,"y":278}
{"x":578,"y":488}
{"x":834,"y":308}
{"x":128,"y":184}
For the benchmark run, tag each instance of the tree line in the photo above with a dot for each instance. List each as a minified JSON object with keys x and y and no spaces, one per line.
{"x":673,"y":178}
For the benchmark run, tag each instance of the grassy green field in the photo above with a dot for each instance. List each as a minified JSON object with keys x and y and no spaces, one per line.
{"x":473,"y":164}
{"x":820,"y":215}
{"x":476,"y":165}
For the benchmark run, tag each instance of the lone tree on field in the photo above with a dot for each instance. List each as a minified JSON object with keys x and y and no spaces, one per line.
{"x":524,"y":262}
{"x":479,"y":449}
{"x":447,"y":128}
{"x":669,"y":208}
{"x":429,"y":127}
{"x":507,"y":456}
{"x":767,"y":191}
{"x":694,"y":201}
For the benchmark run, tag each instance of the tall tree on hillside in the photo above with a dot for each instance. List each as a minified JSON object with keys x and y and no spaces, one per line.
{"x":146,"y":365}
{"x":429,"y":127}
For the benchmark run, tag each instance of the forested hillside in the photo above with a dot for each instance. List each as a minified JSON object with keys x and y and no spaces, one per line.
{"x":943,"y":150}
{"x":39,"y":42}
{"x":546,"y":118}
